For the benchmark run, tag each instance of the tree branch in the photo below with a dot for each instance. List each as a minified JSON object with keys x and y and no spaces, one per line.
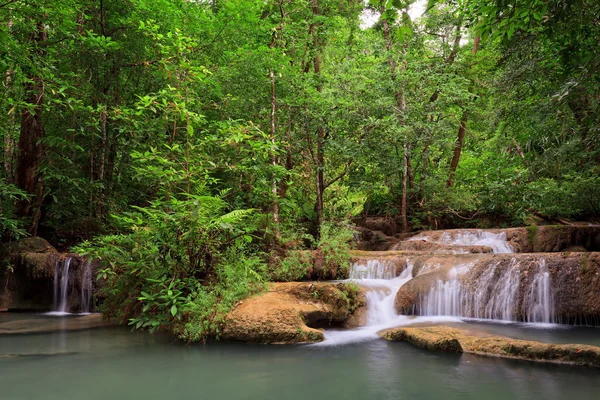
{"x":340,"y":176}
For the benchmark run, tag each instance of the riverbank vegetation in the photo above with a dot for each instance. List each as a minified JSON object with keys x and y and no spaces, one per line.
{"x":194,"y":146}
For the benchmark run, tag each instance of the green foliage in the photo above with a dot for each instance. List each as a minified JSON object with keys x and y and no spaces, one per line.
{"x":183,"y":261}
{"x":10,"y":226}
{"x":293,"y":267}
{"x":335,"y":243}
{"x":573,"y":196}
{"x":352,"y":293}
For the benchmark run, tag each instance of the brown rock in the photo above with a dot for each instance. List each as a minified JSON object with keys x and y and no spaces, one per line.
{"x":291,"y":313}
{"x":442,"y":338}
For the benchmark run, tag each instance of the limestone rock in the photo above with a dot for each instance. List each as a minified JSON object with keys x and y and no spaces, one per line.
{"x":443,"y":338}
{"x":290,"y":313}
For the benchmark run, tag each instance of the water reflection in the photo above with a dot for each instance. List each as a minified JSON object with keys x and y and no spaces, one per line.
{"x":114,"y":363}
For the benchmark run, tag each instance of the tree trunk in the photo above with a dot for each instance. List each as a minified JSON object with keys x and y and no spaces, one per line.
{"x":319,"y":158}
{"x":30,"y":146}
{"x":274,"y":158}
{"x":9,"y":143}
{"x":462,"y":129}
{"x":457,"y":148}
{"x":400,"y":96}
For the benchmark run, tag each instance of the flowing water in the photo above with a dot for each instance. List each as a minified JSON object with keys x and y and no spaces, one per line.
{"x":496,"y":241}
{"x":114,"y":363}
{"x":492,"y":295}
{"x":86,"y":287}
{"x":61,"y":286}
{"x":64,"y":283}
{"x":381,"y":314}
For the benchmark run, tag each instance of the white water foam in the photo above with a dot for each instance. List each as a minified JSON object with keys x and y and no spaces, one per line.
{"x":381,"y":313}
{"x":496,"y":241}
{"x":494,"y":297}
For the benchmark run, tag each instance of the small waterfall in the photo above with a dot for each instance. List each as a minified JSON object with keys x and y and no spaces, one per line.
{"x":373,"y":269}
{"x":61,"y":285}
{"x":538,"y":304}
{"x":445,"y":298}
{"x":69,"y":276}
{"x":86,"y":287}
{"x":493,"y":295}
{"x":496,"y":241}
{"x":380,"y":299}
{"x":382,"y":285}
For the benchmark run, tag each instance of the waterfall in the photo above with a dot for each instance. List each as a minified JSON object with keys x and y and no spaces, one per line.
{"x":492,"y":295}
{"x":496,"y":241}
{"x":538,"y":305}
{"x":373,"y":269}
{"x":382,"y":284}
{"x":86,"y":287}
{"x":61,"y":285}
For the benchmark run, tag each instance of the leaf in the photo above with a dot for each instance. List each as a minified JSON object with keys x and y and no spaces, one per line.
{"x":173,"y":310}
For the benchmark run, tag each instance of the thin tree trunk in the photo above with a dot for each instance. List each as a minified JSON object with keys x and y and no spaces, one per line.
{"x":275,"y":190}
{"x":101,"y":165}
{"x":9,"y":143}
{"x":321,"y":135}
{"x":458,"y":148}
{"x":30,"y":146}
{"x":400,"y":96}
{"x":404,"y":203}
{"x":462,"y":129}
{"x":274,"y":158}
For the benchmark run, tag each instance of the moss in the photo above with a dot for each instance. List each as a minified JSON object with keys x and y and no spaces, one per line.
{"x":352,"y":293}
{"x":532,"y":231}
{"x":583,"y":263}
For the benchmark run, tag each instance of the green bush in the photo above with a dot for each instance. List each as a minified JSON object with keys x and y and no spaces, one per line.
{"x":335,"y":243}
{"x":180,"y":267}
{"x":573,"y":196}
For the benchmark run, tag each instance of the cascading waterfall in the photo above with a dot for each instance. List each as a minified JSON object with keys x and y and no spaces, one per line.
{"x":495,"y":296}
{"x":538,"y":305}
{"x":61,"y":285}
{"x":373,"y":269}
{"x":496,"y":241}
{"x":63,"y":271}
{"x":86,"y":287}
{"x":382,"y":285}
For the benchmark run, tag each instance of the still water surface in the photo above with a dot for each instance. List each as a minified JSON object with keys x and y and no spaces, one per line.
{"x":114,"y":363}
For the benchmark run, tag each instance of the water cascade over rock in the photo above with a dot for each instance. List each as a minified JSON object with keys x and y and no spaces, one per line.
{"x":87,"y":287}
{"x":381,"y":279}
{"x":476,"y":274}
{"x":460,"y":242}
{"x":537,"y":288}
{"x":61,"y":285}
{"x":495,"y":292}
{"x":73,"y":287}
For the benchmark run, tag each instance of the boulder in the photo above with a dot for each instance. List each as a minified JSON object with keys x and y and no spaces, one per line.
{"x":292,"y":312}
{"x":383,"y":224}
{"x":33,"y":244}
